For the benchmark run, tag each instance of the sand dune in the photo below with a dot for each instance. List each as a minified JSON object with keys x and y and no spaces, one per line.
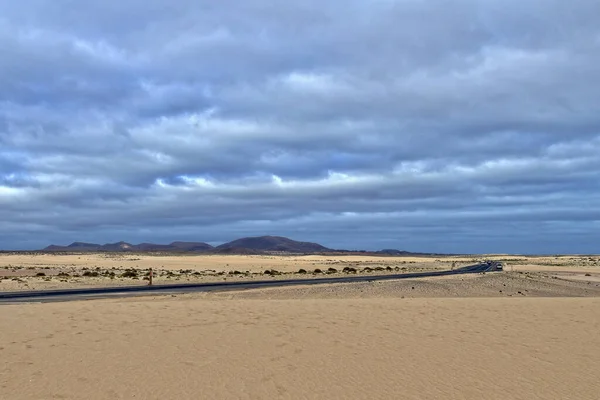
{"x":513,"y":335}
{"x":188,"y":348}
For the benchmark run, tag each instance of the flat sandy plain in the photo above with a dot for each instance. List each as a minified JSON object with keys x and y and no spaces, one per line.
{"x":531,"y":332}
{"x":53,"y":271}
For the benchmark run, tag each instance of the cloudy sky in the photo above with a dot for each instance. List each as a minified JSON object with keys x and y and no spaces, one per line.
{"x":446,"y":126}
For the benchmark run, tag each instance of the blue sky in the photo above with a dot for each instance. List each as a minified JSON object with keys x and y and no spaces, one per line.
{"x":454,"y":126}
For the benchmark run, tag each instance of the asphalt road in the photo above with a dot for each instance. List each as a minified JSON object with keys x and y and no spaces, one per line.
{"x":124,"y":291}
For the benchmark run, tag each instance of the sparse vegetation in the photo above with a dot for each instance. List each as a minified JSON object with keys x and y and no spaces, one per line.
{"x":263,"y":265}
{"x":130,"y":273}
{"x":272,"y":272}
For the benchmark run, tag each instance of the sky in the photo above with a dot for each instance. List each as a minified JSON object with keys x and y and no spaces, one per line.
{"x":456,"y":126}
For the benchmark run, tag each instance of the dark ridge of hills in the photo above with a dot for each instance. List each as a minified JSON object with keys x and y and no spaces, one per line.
{"x":119,"y":246}
{"x":82,"y":245}
{"x":273,"y":243}
{"x":192,"y":246}
{"x":153,"y":247}
{"x":238,"y":251}
{"x":75,"y":246}
{"x":128,"y":247}
{"x":54,"y":247}
{"x":393,"y":252}
{"x":248,"y":245}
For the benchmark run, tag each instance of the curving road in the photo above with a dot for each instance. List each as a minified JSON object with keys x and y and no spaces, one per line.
{"x":96,"y":293}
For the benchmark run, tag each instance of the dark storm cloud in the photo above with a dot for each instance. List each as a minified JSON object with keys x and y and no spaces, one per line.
{"x":461,"y":127}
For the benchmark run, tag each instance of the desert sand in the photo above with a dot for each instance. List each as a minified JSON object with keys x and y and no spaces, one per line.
{"x":529,"y":333}
{"x":190,"y":347}
{"x":54,"y":271}
{"x":20,"y":271}
{"x":253,"y":263}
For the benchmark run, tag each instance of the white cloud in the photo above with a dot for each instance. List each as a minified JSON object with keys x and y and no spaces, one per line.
{"x":340,"y":121}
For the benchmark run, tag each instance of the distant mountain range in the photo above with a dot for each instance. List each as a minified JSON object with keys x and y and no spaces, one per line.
{"x":128,"y":247}
{"x":248,"y":245}
{"x":272,"y":243}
